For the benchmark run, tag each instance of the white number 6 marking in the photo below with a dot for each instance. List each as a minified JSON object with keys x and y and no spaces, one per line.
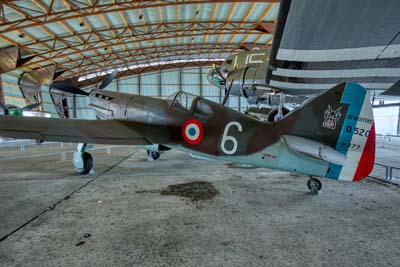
{"x":226,"y":138}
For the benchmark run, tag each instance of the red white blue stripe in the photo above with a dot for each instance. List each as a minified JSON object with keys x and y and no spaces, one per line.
{"x":357,"y":131}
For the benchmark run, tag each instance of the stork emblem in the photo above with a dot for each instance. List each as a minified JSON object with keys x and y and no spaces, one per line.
{"x":331,"y":117}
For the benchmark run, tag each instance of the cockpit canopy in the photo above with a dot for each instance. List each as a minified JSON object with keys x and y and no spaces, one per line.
{"x":190,"y":103}
{"x":182,"y":100}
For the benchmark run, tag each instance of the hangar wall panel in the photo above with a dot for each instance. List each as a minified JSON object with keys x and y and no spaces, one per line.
{"x":169,"y":82}
{"x":11,"y":91}
{"x":82,"y":112}
{"x":386,"y":120}
{"x":150,"y":84}
{"x":129,"y":85}
{"x":191,"y":81}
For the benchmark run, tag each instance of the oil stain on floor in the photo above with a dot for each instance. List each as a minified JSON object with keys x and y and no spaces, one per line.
{"x":197,"y":190}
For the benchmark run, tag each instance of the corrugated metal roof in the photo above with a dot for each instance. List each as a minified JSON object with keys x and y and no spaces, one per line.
{"x":87,"y":36}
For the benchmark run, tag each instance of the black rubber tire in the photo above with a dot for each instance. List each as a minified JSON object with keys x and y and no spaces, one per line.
{"x":274,"y":112}
{"x":316,"y":181}
{"x":153,"y":154}
{"x":87,"y":163}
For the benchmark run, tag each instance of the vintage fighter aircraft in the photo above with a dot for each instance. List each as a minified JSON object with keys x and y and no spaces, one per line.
{"x":331,"y":135}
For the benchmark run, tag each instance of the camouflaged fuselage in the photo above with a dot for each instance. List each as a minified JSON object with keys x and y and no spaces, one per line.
{"x":163,"y":120}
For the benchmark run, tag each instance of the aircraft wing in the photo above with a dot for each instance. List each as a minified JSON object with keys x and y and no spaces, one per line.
{"x":77,"y":131}
{"x":318,"y":44}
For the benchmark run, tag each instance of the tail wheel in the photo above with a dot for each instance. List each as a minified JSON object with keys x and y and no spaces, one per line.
{"x":314,"y":185}
{"x":153,"y":155}
{"x":274,"y":112}
{"x":87,"y":161}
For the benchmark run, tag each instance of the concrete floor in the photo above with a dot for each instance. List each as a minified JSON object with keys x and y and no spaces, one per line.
{"x":117,"y":217}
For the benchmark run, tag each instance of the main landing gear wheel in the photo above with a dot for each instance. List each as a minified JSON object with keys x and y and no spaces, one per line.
{"x":153,"y":155}
{"x":314,"y":185}
{"x":83,"y":161}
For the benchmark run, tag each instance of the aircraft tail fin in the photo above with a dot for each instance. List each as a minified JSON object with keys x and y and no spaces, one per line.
{"x":341,"y":119}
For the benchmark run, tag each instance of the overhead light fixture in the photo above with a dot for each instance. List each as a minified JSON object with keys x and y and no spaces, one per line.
{"x":81,"y":24}
{"x":21,"y":35}
{"x":141,"y":16}
{"x":197,"y":12}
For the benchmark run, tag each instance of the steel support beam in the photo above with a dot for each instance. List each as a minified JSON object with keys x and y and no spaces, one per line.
{"x":201,"y":80}
{"x":1,"y":92}
{"x":73,"y":11}
{"x":383,"y":105}
{"x":159,"y":84}
{"x":398,"y":122}
{"x":80,"y":55}
{"x":139,"y":84}
{"x":249,"y":47}
{"x":132,"y":72}
{"x":267,"y":27}
{"x":74,"y":104}
{"x":120,"y":61}
{"x":180,"y":79}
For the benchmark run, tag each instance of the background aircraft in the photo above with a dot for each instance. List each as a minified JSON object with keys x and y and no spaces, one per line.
{"x":330,"y":136}
{"x":337,"y":41}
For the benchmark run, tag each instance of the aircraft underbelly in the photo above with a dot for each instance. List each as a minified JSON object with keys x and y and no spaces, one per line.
{"x":276,"y":156}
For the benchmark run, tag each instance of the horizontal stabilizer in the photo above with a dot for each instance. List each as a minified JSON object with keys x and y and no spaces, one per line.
{"x":314,"y":149}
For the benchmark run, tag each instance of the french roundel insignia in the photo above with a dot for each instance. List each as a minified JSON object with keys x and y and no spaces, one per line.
{"x":192,"y":131}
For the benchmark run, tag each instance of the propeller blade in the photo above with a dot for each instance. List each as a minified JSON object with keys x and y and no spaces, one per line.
{"x":108,"y":79}
{"x":67,"y":87}
{"x":31,"y":106}
{"x":227,"y":93}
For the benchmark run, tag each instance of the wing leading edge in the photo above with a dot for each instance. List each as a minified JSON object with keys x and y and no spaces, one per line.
{"x":77,"y":131}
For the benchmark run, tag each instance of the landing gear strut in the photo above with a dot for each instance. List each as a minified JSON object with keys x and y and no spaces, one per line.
{"x":153,"y":155}
{"x":83,"y":161}
{"x":278,"y":113}
{"x":314,"y":185}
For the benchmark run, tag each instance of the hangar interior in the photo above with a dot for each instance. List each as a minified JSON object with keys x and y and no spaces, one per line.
{"x":84,"y":39}
{"x":128,"y":212}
